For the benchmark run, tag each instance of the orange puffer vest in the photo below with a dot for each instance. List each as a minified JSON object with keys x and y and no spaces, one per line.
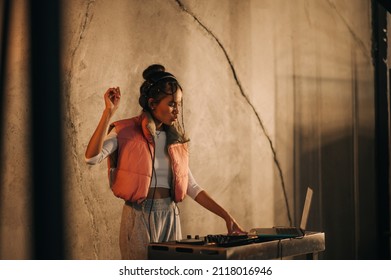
{"x":130,"y":167}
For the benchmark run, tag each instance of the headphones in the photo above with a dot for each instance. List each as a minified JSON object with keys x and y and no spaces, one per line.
{"x":151,"y":81}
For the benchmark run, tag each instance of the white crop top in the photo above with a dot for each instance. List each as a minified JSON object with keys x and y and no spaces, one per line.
{"x":161,"y":164}
{"x":163,"y":173}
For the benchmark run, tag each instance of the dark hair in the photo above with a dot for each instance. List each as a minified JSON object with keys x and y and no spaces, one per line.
{"x":158,"y":84}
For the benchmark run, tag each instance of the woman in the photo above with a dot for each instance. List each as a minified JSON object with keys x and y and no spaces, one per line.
{"x":148,"y":164}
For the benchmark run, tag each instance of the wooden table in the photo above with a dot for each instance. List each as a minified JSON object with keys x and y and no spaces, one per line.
{"x":310,"y":245}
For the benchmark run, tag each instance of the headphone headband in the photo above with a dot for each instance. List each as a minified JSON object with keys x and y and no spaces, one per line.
{"x":158,"y":76}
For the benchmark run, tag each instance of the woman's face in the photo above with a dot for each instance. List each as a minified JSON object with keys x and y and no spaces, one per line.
{"x":167,"y":110}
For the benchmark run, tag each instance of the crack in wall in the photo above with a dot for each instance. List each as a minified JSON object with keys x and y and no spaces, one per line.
{"x":360,"y":43}
{"x":84,"y":25}
{"x":88,"y":15}
{"x":247,"y":99}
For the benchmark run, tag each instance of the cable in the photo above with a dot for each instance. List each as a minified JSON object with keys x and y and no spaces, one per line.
{"x":183,"y":119}
{"x":154,"y":189}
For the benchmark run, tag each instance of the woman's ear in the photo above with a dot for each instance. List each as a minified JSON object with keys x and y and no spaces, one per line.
{"x":151,"y":103}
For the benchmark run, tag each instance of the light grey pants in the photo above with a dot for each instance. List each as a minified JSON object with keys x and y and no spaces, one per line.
{"x":139,"y":222}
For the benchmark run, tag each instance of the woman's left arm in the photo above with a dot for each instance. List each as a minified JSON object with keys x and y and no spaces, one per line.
{"x":206,"y":201}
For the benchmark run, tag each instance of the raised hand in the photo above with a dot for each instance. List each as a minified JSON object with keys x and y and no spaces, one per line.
{"x":112,"y":99}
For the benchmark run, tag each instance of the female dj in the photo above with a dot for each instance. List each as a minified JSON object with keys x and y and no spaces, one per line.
{"x":149,"y":164}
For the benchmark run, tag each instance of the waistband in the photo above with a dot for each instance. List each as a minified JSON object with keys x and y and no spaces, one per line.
{"x":158,"y":204}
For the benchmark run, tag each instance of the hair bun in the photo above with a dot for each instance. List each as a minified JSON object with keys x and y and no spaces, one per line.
{"x":152,"y":69}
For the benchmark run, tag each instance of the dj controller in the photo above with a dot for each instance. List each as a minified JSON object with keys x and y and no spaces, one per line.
{"x":220,"y":240}
{"x":211,"y":246}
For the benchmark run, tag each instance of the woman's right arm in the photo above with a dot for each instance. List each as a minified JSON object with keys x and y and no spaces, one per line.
{"x":112,"y":98}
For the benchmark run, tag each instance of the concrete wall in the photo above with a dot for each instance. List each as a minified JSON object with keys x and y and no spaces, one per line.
{"x":267,"y":86}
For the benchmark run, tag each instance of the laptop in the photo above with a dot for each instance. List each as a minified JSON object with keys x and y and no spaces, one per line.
{"x":286,"y":232}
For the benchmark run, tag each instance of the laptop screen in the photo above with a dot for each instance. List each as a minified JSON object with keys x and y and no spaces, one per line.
{"x":306,"y":209}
